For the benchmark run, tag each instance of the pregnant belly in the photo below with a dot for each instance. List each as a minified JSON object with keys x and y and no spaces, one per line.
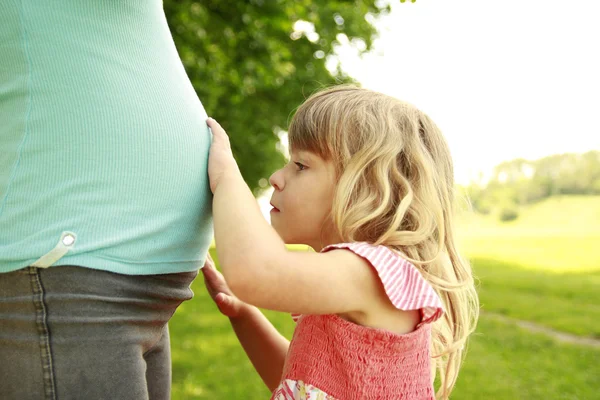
{"x":132,"y":195}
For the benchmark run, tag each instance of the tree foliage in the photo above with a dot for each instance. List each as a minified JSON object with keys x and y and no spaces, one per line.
{"x":252,"y":63}
{"x":520,"y":182}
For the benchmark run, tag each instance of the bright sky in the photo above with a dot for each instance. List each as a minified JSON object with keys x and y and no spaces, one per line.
{"x":501,"y":79}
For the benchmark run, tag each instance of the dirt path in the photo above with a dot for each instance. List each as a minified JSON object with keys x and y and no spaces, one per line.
{"x":557,"y":335}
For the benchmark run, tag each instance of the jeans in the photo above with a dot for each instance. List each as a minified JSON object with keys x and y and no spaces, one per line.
{"x":77,"y":333}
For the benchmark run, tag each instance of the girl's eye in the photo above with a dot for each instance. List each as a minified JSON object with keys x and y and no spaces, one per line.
{"x":301,"y":167}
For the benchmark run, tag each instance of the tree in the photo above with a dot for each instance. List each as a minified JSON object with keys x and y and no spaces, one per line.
{"x":520,"y":182}
{"x":252,"y":63}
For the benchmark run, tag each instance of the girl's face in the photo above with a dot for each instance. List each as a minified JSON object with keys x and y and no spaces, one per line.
{"x":302,"y":200}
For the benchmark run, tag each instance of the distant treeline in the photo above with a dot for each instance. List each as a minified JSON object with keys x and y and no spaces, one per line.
{"x":520,"y":182}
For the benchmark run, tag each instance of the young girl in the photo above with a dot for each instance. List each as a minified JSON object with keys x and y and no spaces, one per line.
{"x":386,"y":297}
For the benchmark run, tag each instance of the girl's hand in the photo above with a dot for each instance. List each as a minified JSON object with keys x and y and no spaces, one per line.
{"x":228,"y":304}
{"x":220,"y":159}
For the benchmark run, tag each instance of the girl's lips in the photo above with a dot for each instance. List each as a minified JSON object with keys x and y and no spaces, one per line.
{"x":275,"y":209}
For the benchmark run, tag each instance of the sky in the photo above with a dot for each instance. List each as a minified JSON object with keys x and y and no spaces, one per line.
{"x":503,"y":80}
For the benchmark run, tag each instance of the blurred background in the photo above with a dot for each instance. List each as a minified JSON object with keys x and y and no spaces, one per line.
{"x":514,"y":87}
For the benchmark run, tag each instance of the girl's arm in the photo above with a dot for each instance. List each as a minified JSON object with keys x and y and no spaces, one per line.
{"x":265,"y":346}
{"x":258,"y":267}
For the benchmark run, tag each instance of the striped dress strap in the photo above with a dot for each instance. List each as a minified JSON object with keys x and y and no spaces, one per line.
{"x":403,"y":283}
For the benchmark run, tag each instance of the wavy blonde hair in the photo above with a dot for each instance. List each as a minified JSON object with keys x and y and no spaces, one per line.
{"x":395,"y":188}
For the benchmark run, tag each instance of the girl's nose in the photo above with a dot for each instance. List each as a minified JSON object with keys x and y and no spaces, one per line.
{"x":276,"y":180}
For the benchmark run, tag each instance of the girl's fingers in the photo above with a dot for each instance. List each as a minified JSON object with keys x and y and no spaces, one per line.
{"x":214,"y":280}
{"x":211,"y":279}
{"x":208,"y":271}
{"x":213,"y":276}
{"x":221,"y":298}
{"x":208,"y":266}
{"x":218,"y":132}
{"x":214,"y":126}
{"x":209,"y":261}
{"x":227,"y":304}
{"x":218,"y":290}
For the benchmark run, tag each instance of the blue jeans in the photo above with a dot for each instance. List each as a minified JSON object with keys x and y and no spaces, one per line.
{"x":78,"y":333}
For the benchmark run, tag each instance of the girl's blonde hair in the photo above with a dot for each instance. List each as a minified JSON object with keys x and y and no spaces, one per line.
{"x":396,"y":188}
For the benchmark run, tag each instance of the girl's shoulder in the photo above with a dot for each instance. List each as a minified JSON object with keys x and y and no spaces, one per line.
{"x":403,"y":282}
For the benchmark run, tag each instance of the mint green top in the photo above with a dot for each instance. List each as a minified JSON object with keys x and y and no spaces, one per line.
{"x":101,"y":135}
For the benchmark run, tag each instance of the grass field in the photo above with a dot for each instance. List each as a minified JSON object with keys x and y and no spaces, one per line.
{"x":556,"y":286}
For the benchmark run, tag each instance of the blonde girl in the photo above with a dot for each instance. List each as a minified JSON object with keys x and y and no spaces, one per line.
{"x":386,"y":298}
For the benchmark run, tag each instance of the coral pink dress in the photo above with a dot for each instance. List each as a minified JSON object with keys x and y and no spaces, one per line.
{"x":331,"y":358}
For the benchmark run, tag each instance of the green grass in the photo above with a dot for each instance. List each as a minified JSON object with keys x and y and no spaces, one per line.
{"x":559,"y":235}
{"x":208,"y":362}
{"x":564,"y":214}
{"x":542,"y":251}
{"x":544,"y":267}
{"x":568,"y":302}
{"x":506,"y":362}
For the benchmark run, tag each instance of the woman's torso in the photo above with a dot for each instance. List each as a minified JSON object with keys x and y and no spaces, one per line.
{"x":102,"y":135}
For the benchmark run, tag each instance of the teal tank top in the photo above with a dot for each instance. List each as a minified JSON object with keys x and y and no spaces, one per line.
{"x":103,"y":140}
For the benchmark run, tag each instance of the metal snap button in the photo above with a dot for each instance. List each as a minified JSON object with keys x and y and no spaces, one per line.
{"x":68,"y":240}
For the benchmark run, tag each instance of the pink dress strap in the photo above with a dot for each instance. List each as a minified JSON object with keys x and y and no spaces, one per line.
{"x":403,"y":283}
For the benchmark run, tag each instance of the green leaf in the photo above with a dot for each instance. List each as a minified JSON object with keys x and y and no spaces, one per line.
{"x":248,"y":71}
